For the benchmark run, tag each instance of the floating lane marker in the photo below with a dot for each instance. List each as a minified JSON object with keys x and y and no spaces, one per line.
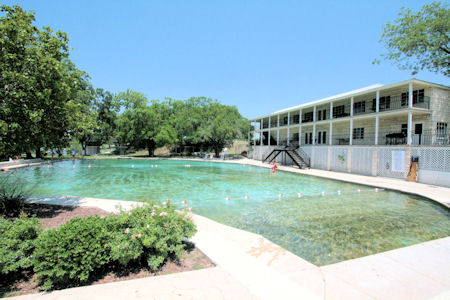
{"x":324,"y":194}
{"x":132,"y":166}
{"x":228,"y":198}
{"x":359,"y":190}
{"x":377,"y":190}
{"x":339,"y":192}
{"x":247,"y":197}
{"x":300,"y":195}
{"x":280,"y":195}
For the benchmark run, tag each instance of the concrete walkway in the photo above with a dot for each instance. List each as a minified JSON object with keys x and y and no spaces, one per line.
{"x":252,"y":267}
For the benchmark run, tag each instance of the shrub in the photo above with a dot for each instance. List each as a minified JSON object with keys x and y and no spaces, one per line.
{"x":13,"y":195}
{"x":151,"y":233}
{"x":69,"y":254}
{"x":17,"y":242}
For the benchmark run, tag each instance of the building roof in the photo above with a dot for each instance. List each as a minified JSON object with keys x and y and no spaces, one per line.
{"x":353,"y":93}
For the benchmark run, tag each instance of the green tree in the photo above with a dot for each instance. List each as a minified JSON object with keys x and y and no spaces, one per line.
{"x":221,"y":125}
{"x":418,"y":41}
{"x":144,"y":126}
{"x":36,"y":81}
{"x":107,"y":109}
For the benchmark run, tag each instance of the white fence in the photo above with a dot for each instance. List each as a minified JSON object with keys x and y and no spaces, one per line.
{"x":434,"y":162}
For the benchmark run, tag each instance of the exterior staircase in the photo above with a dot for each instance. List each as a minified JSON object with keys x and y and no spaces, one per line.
{"x":298,"y":156}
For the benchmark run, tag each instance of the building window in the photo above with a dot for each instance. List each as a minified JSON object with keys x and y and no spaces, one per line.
{"x":441,"y":128}
{"x":310,"y":137}
{"x":404,"y":129}
{"x":308,"y":117}
{"x":296,"y":119}
{"x":418,"y":96}
{"x":358,"y":133}
{"x":339,"y":111}
{"x":319,"y":140}
{"x":324,"y":137}
{"x":404,"y":99}
{"x":385,"y":102}
{"x":285,"y":121}
{"x":359,"y":107}
{"x":322,"y":114}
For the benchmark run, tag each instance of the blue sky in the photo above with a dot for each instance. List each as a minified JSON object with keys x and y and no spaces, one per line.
{"x":261,"y":56}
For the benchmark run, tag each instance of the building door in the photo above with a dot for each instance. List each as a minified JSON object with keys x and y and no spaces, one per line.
{"x":418,"y":138}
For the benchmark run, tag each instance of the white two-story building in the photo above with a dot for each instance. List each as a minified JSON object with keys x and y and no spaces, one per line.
{"x":374,"y":130}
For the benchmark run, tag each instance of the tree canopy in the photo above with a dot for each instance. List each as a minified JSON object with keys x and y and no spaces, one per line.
{"x":419,"y":41}
{"x":46,"y":101}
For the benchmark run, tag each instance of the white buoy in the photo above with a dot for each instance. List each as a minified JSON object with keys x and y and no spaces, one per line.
{"x":156,"y":166}
{"x":323,"y":193}
{"x":377,"y":190}
{"x":300,"y":195}
{"x":228,"y":198}
{"x":247,"y":197}
{"x":359,"y":190}
{"x":339,"y":192}
{"x":132,"y":166}
{"x":280,"y":195}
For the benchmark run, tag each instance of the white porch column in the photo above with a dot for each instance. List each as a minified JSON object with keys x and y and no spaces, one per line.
{"x":314,"y":126}
{"x":331,"y":133}
{"x":377,"y":102}
{"x":268,"y":135}
{"x":410,"y":96}
{"x":288,"y":124}
{"x":299,"y":127}
{"x":376,"y":129}
{"x":331,"y":110}
{"x":409,"y":137}
{"x":260,"y":138}
{"x":278,"y":130}
{"x":350,"y":139}
{"x":351,"y":106}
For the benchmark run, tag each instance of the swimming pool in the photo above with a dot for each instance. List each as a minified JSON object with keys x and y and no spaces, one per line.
{"x":331,"y":221}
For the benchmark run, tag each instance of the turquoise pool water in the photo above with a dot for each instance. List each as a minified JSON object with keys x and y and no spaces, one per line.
{"x":321,"y":228}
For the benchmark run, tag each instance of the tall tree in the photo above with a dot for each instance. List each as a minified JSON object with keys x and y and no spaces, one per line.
{"x":144,"y":126}
{"x":36,"y":81}
{"x":221,"y":125}
{"x":420,"y":41}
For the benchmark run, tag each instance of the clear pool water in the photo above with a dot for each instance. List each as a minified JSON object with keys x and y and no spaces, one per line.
{"x":322,"y":229}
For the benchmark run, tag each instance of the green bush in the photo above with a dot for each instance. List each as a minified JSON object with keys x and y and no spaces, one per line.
{"x":149,"y":233}
{"x":68,"y":255}
{"x":13,"y":196}
{"x":17,"y":242}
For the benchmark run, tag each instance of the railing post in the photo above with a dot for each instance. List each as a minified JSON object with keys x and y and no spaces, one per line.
{"x":331,"y":110}
{"x":377,"y":102}
{"x":410,"y":95}
{"x":376,"y":129}
{"x":278,"y":130}
{"x":351,"y":106}
{"x":409,"y":135}
{"x":288,"y":124}
{"x":300,"y":127}
{"x":268,"y":135}
{"x":314,"y":126}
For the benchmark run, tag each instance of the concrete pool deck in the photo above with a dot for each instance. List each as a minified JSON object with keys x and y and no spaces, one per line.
{"x":251,"y":267}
